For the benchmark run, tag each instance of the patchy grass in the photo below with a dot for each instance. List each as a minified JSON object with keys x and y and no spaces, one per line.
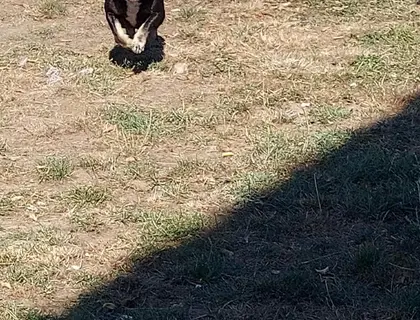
{"x":190,"y":13}
{"x":52,"y":8}
{"x":96,"y":164}
{"x":54,"y":168}
{"x":132,"y":121}
{"x":87,"y":195}
{"x":368,"y":65}
{"x":329,"y":114}
{"x":6,"y":205}
{"x":399,"y":36}
{"x":328,"y":141}
{"x":263,"y":169}
{"x":166,"y":226}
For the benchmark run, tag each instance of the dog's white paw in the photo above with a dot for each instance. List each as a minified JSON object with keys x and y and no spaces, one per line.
{"x":138,"y":46}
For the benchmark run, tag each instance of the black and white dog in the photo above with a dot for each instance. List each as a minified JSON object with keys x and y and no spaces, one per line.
{"x":134,"y":22}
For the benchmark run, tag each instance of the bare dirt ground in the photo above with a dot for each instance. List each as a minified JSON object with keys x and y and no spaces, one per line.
{"x":117,"y":187}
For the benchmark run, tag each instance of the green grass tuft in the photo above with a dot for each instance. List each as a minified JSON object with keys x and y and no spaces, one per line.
{"x":396,"y":37}
{"x":54,"y":168}
{"x":132,"y":121}
{"x":326,"y":114}
{"x":368,"y":65}
{"x":88,"y":195}
{"x":326,"y":142}
{"x":166,"y":226}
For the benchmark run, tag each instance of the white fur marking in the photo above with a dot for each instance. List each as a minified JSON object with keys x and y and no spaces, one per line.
{"x":139,"y":40}
{"x":122,"y":35}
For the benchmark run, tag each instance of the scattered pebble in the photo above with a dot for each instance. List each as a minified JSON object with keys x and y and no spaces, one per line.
{"x":227,"y":154}
{"x":75,"y":267}
{"x":53,"y":75}
{"x":16,"y":198}
{"x":86,"y":71}
{"x":32,"y":208}
{"x":180,"y":68}
{"x":22,"y":62}
{"x":32,"y":216}
{"x":5,"y":285}
{"x":130,"y":159}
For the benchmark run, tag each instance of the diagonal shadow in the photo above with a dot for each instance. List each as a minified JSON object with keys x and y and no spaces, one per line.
{"x":339,"y":240}
{"x":126,"y":58}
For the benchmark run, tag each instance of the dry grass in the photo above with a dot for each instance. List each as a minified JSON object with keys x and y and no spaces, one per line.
{"x":51,"y":8}
{"x":110,"y":180}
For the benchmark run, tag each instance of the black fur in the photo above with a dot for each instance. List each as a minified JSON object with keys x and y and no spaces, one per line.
{"x":133,"y":15}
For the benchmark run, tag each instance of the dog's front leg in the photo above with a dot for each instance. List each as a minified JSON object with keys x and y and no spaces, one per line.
{"x":140,"y":39}
{"x":120,"y":35}
{"x":147,"y":31}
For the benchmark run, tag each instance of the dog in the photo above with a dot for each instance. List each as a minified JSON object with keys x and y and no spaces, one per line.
{"x":134,"y":23}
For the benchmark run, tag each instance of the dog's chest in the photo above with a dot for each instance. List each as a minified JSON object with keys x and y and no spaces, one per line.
{"x":133,"y":8}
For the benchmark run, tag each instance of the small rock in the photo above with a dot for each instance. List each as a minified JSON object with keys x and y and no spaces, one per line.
{"x":305,"y":104}
{"x":227,"y":154}
{"x":75,"y":267}
{"x":16,"y":198}
{"x":32,"y":216}
{"x":180,"y":68}
{"x":5,"y":285}
{"x":86,"y":71}
{"x":53,"y":75}
{"x":22,"y":62}
{"x":32,"y":208}
{"x":130,"y":159}
{"x":294,"y":111}
{"x":109,"y":128}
